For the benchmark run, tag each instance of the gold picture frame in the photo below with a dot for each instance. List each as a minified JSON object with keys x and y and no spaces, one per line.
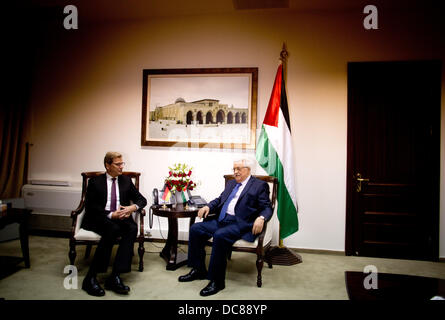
{"x":202,"y":108}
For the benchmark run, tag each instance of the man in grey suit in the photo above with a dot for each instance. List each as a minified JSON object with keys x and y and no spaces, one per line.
{"x":240,"y":212}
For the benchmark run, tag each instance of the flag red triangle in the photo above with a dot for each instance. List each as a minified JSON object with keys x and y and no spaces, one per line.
{"x":273,"y":109}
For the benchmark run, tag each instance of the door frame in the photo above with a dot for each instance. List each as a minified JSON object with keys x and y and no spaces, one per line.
{"x":436,"y":135}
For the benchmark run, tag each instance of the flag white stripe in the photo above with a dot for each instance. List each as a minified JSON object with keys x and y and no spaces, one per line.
{"x":281,"y":140}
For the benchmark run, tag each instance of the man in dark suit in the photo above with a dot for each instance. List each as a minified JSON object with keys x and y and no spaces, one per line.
{"x":240,"y":212}
{"x":108,"y":212}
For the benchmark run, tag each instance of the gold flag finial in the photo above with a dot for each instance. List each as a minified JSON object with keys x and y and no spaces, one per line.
{"x":284,"y":54}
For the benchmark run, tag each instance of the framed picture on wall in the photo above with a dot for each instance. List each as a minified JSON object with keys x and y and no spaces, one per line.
{"x":202,"y":108}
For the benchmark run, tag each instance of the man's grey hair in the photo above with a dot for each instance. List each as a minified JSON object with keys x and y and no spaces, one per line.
{"x":248,"y":162}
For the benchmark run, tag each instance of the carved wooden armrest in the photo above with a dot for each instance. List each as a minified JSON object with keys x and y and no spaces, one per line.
{"x":262,"y":233}
{"x":79,"y":209}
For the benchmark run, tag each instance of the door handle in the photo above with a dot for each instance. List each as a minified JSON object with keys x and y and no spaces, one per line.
{"x":359,"y":180}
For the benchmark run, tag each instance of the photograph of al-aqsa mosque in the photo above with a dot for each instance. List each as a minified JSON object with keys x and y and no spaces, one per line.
{"x":200,"y":109}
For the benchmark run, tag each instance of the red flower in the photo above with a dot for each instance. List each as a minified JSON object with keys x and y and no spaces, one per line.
{"x":178,"y":178}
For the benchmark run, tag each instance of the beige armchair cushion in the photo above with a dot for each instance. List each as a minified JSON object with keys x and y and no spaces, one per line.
{"x":267,"y":237}
{"x":87,"y":235}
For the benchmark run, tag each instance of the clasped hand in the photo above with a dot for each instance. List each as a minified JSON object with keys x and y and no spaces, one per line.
{"x":123,"y":212}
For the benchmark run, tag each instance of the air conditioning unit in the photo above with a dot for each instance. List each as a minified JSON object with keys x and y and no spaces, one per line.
{"x":51,"y":205}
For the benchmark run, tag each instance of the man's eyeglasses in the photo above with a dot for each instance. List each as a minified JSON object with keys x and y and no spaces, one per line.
{"x":238,"y":168}
{"x":119,"y":164}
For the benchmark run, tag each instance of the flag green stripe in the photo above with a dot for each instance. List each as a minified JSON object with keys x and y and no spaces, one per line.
{"x":286,"y":211}
{"x":268,"y":159}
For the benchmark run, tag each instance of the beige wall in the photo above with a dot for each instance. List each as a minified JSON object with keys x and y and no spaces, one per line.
{"x":87,"y":98}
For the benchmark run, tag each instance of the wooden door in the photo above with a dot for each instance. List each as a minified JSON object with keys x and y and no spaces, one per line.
{"x":393,"y":159}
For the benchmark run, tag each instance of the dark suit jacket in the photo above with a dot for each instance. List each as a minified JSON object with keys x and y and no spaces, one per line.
{"x":252,"y":202}
{"x":96,"y":199}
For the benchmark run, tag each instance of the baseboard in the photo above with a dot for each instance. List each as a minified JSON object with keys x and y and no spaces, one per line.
{"x":152,"y":238}
{"x":185,"y":242}
{"x":162,"y":235}
{"x":318,"y":251}
{"x":332,"y":252}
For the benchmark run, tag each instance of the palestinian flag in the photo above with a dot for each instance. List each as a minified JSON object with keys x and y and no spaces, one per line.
{"x":185,"y":195}
{"x":274,"y":155}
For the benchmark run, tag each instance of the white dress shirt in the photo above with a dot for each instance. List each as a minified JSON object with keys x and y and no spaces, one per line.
{"x":232,"y":204}
{"x":118,"y":203}
{"x":108,"y":205}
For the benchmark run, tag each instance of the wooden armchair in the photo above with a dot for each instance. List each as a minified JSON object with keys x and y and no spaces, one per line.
{"x":81,"y":236}
{"x":264,"y":239}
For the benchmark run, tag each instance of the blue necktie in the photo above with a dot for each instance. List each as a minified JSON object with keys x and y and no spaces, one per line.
{"x":226,"y":204}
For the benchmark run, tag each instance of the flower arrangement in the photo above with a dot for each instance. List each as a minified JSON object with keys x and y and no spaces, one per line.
{"x":179,"y":178}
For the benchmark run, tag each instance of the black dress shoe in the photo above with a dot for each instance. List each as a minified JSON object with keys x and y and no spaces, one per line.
{"x":115,"y":283}
{"x":92,"y":287}
{"x":194,"y":274}
{"x":212,"y":288}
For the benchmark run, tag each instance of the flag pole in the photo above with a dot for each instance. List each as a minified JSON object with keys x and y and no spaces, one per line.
{"x":281,"y":255}
{"x":283,"y":57}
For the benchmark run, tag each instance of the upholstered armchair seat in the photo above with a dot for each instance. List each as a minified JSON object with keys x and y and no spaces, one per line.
{"x":267,"y":238}
{"x":81,"y":234}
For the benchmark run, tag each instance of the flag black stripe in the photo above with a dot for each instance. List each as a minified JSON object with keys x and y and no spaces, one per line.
{"x":283,"y":103}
